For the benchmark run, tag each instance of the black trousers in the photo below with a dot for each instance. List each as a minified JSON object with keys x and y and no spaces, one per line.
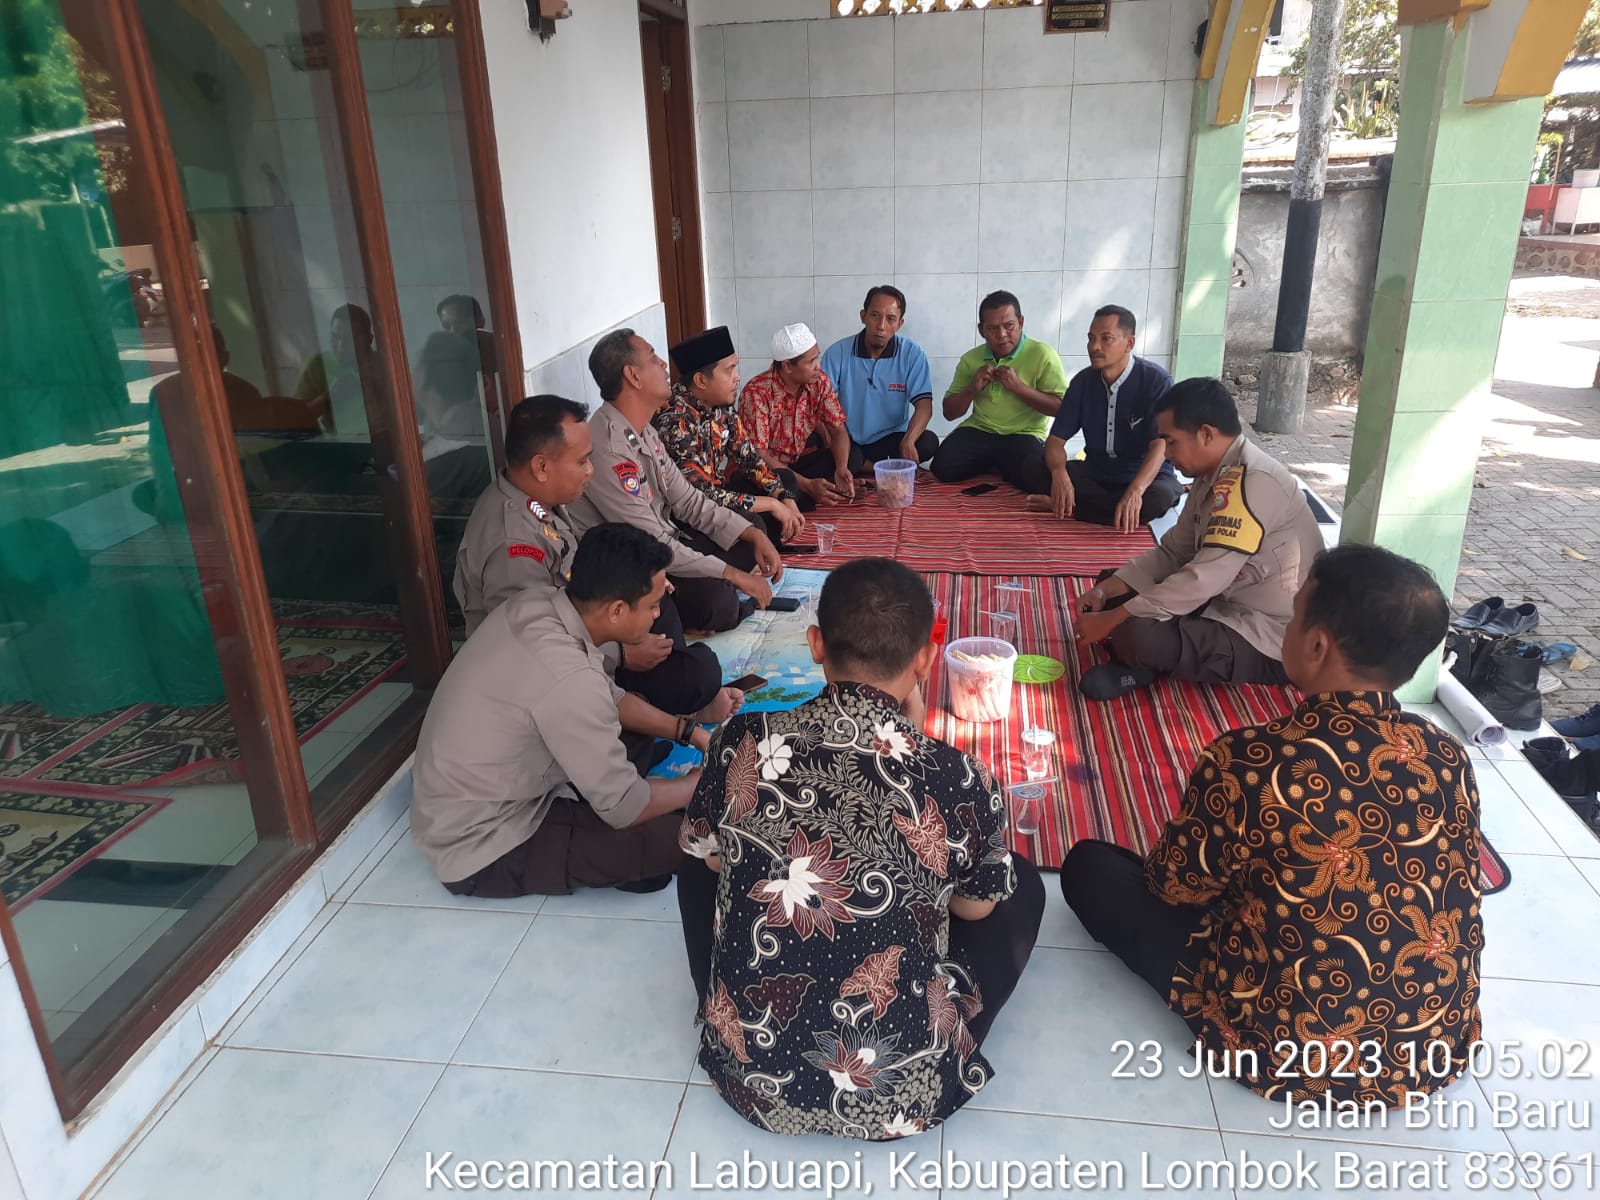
{"x":744,"y":485}
{"x":1097,"y":502}
{"x":816,"y":461}
{"x":967,"y":452}
{"x":1194,"y":648}
{"x":1104,"y":885}
{"x":711,"y":605}
{"x":686,"y":680}
{"x":888,"y":446}
{"x":996,"y":948}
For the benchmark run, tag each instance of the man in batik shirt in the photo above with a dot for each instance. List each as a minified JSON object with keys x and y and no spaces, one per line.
{"x":1321,"y":882}
{"x":838,"y":993}
{"x":702,"y":431}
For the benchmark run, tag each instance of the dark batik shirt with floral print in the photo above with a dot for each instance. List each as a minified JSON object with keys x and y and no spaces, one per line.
{"x":1336,"y":853}
{"x":843,"y":831}
{"x":714,"y":452}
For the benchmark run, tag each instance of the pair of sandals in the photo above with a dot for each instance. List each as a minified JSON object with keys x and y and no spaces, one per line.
{"x":1496,"y":618}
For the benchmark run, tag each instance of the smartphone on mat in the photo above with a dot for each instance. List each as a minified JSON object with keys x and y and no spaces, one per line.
{"x":750,"y":683}
{"x":979,"y":489}
{"x":788,"y":550}
{"x":784,"y":604}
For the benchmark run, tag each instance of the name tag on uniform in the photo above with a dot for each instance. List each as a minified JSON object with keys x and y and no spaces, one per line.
{"x":1232,"y":526}
{"x":523,"y":550}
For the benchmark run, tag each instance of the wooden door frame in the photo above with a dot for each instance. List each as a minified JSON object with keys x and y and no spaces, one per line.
{"x":680,"y":259}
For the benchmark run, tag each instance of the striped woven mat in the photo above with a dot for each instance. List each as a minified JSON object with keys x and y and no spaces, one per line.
{"x":993,"y":534}
{"x":1121,"y":767}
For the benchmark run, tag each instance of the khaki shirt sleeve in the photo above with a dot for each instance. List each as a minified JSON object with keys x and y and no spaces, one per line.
{"x":578,"y":722}
{"x":1175,"y":548}
{"x":694,"y":507}
{"x":615,"y":499}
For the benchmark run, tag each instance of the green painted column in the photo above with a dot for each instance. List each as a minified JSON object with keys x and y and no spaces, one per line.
{"x":1216,"y":162}
{"x":1449,"y":240}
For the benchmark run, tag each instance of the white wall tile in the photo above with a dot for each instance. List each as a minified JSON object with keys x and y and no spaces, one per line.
{"x":1166,"y":244}
{"x":10,"y":1185}
{"x":1084,"y":291}
{"x":766,"y":145}
{"x":930,"y":51}
{"x":1109,"y":224}
{"x":771,"y":234}
{"x":839,"y":304}
{"x":852,"y":231}
{"x":1022,"y":226}
{"x":765,"y":61}
{"x":1175,"y":112}
{"x":1116,"y":130}
{"x":1017,"y":54}
{"x":765,"y":306}
{"x":936,"y":229}
{"x":941,"y":312}
{"x":852,"y":141}
{"x":938,"y":137}
{"x":711,"y":143}
{"x":942,"y":371}
{"x":716,"y":233}
{"x":1135,"y":48}
{"x":563,"y":375}
{"x":851,"y":58}
{"x":722,"y":305}
{"x":710,"y":81}
{"x":1182,"y":61}
{"x":1026,"y":134}
{"x":1155,"y":323}
{"x":1164,"y":361}
{"x":1040,"y":294}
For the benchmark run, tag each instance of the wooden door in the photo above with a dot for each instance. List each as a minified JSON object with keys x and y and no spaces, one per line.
{"x":669,"y":109}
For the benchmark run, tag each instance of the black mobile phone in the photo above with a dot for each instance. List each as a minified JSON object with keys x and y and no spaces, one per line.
{"x":787,"y":550}
{"x":979,"y":489}
{"x":750,"y":683}
{"x":784,"y":604}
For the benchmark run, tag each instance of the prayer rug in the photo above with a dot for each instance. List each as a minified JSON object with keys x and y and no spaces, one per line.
{"x":993,"y":534}
{"x":333,"y":654}
{"x":45,"y":838}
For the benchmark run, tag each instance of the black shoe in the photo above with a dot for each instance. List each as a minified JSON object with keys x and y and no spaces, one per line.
{"x":1110,"y":680}
{"x":1513,"y":622}
{"x":643,"y":886}
{"x":1479,"y":613}
{"x":1585,"y":724}
{"x":1508,"y":684}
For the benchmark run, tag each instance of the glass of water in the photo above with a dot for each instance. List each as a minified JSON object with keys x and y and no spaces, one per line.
{"x":1038,"y":745}
{"x":826,"y":532}
{"x":1025,"y":802}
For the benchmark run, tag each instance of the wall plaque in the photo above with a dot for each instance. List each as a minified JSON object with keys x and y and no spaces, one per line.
{"x":1077,"y":16}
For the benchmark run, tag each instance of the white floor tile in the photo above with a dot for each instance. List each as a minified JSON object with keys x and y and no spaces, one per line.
{"x":1542,"y":926}
{"x":259,"y":1124}
{"x":1243,"y":1111}
{"x":396,"y":831}
{"x":1052,"y":1046}
{"x":478,"y":1113}
{"x":1061,"y":927}
{"x":1506,"y":821}
{"x":202,"y":824}
{"x":1113,"y":1153}
{"x":1575,"y":838}
{"x":403,"y":877}
{"x":713,"y":1132}
{"x":67,"y":943}
{"x":390,"y":982}
{"x":257,"y":967}
{"x":1590,"y":869}
{"x":593,"y":996}
{"x":608,"y":902}
{"x":1547,"y":1039}
{"x":1370,"y":1170}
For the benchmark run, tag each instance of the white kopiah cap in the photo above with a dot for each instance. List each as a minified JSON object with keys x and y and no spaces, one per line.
{"x":792,"y":341}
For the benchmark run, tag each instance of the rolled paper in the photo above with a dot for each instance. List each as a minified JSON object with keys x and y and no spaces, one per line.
{"x":1475,"y":720}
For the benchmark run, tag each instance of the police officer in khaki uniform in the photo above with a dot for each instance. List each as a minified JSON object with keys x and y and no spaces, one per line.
{"x":1211,"y":602}
{"x":519,"y":537}
{"x":523,"y":785}
{"x":716,"y":553}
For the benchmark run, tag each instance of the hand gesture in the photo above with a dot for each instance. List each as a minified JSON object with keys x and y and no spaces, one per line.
{"x":844,"y":483}
{"x":1008,"y":378}
{"x":1094,"y":600}
{"x":1095,"y":627}
{"x":1062,"y":498}
{"x":757,"y":588}
{"x":768,"y":561}
{"x":791,"y":519}
{"x":648,"y":654}
{"x":1127,"y":520}
{"x":983,"y":377}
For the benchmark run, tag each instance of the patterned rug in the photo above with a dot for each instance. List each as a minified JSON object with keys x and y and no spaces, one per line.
{"x":45,"y":838}
{"x":992,"y":534}
{"x":333,"y":654}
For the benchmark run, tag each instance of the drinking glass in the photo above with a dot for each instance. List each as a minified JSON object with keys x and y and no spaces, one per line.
{"x":1026,"y":802}
{"x":1037,"y":747}
{"x":826,"y":532}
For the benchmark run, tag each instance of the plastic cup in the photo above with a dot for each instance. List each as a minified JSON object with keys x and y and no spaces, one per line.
{"x":826,"y":532}
{"x":1025,"y":801}
{"x":1003,"y":625}
{"x":1008,"y":597}
{"x":897,"y":482}
{"x":979,"y":671}
{"x":1038,"y":746}
{"x":940,"y":625}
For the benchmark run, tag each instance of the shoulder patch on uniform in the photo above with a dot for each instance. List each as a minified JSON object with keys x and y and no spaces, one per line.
{"x":1232,"y":526}
{"x":523,"y":550}
{"x":628,"y":474}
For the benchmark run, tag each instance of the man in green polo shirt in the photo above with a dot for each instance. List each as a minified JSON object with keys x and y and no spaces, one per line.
{"x":1013,"y":386}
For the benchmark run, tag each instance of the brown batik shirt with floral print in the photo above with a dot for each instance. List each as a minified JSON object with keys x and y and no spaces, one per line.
{"x":1336,"y":853}
{"x":835,"y":1005}
{"x":714,"y":452}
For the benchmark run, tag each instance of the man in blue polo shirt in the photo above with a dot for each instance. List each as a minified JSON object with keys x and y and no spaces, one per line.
{"x":1124,"y":478}
{"x":883,"y":382}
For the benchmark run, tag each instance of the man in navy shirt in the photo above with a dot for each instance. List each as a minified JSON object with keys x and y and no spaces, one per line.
{"x":883,"y":382}
{"x":1124,"y":478}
